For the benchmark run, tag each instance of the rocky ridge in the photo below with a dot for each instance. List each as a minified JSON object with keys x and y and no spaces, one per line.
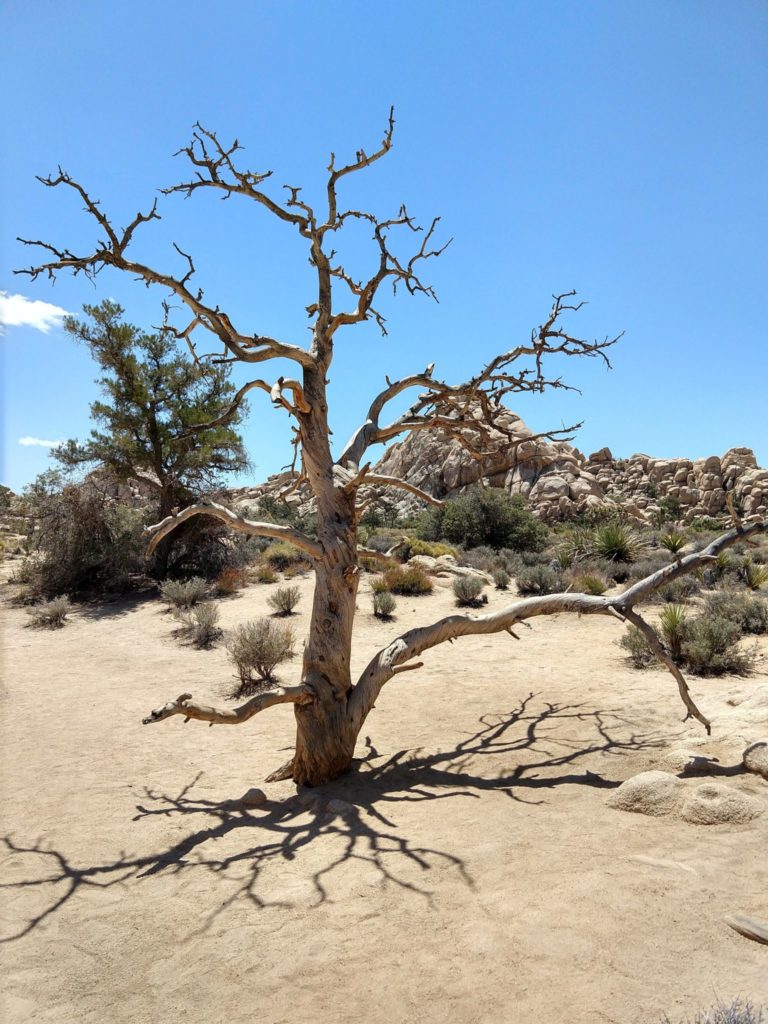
{"x":560,"y":481}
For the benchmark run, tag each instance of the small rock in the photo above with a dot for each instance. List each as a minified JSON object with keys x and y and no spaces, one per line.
{"x":716,"y":804}
{"x":755,"y":759}
{"x":340,"y":807}
{"x":253,"y":798}
{"x":655,"y":793}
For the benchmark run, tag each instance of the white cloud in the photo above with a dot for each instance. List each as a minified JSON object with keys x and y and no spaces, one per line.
{"x":19,"y":311}
{"x":39,"y":442}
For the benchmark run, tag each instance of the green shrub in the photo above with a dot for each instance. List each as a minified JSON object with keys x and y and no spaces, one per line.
{"x":201,"y":623}
{"x":485,"y":515}
{"x":82,"y":541}
{"x":501,"y":579}
{"x":647,"y":566}
{"x":467,"y":591}
{"x":408,"y":581}
{"x":284,"y":600}
{"x":588,"y":584}
{"x":281,"y":556}
{"x":415,"y":546}
{"x":712,"y":647}
{"x":383,"y":605}
{"x":616,"y":542}
{"x":749,"y":613}
{"x":259,"y":647}
{"x":677,"y":591}
{"x":184,"y":593}
{"x":539,"y":579}
{"x":49,"y":614}
{"x":634,"y":643}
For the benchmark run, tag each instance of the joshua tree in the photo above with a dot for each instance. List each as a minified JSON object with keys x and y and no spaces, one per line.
{"x":330,"y":707}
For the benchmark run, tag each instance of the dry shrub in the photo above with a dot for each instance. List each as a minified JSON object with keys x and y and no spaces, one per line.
{"x":467,"y":591}
{"x":259,"y":647}
{"x":501,"y":579}
{"x":184,"y":593}
{"x":383,"y":605}
{"x":284,"y":600}
{"x":589,"y":583}
{"x":49,"y":614}
{"x":539,"y":579}
{"x":201,"y":624}
{"x":264,"y":573}
{"x":282,"y":556}
{"x":409,"y":581}
{"x":230,"y":580}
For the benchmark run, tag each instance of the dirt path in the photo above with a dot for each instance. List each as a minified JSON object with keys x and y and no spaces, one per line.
{"x":472,"y":872}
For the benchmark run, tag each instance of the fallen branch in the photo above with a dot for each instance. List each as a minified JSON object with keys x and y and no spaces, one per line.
{"x":183,"y":705}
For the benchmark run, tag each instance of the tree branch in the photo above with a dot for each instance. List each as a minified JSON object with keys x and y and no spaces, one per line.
{"x":183,"y":705}
{"x":474,"y":407}
{"x":406,"y":647}
{"x":249,"y":526}
{"x":378,"y":479}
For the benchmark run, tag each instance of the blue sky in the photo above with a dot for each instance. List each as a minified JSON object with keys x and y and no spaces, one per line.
{"x":614,"y":147}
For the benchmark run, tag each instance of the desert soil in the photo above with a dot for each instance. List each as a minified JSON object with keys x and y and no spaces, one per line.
{"x":469,"y":872}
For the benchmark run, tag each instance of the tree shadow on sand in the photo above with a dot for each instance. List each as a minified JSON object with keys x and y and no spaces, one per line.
{"x":350,"y":816}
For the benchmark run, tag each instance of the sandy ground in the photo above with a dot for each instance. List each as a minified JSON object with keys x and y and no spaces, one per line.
{"x":478,"y":875}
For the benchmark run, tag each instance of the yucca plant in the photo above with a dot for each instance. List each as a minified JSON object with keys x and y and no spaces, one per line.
{"x":755,"y":576}
{"x":673,"y":540}
{"x":674,"y":628}
{"x":615,"y":541}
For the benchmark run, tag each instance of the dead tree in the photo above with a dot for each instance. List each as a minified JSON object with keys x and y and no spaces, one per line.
{"x":330,"y":708}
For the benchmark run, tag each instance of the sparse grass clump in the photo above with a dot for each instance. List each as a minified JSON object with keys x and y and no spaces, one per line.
{"x":258,"y":647}
{"x":201,"y":624}
{"x":384,"y":604}
{"x":409,"y":581}
{"x":539,"y":579}
{"x":264,"y":573}
{"x":467,"y":591}
{"x":49,"y":614}
{"x":636,"y":646}
{"x":284,"y":600}
{"x":735,"y":1012}
{"x":184,"y":594}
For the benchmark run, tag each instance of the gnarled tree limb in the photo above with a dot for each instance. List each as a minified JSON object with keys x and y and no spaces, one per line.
{"x":184,"y":705}
{"x":249,"y":526}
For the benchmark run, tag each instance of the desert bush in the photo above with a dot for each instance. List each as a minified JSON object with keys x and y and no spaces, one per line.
{"x":82,"y":539}
{"x":383,"y":604}
{"x":529,"y":558}
{"x":483,"y":558}
{"x":416,"y":546}
{"x":749,"y":613}
{"x":755,"y":576}
{"x":230,"y":580}
{"x":281,"y":556}
{"x":673,"y":541}
{"x":264,"y":573}
{"x":501,"y":579}
{"x":49,"y":614}
{"x":379,"y":585}
{"x":284,"y":600}
{"x":588,"y":583}
{"x":409,"y":581}
{"x":676,"y":591}
{"x":485,"y":515}
{"x":615,"y":541}
{"x":201,"y":623}
{"x":259,"y":647}
{"x":184,"y":593}
{"x":467,"y":591}
{"x":712,"y":647}
{"x":734,"y":1012}
{"x":646,"y":566}
{"x":674,"y":624}
{"x":634,"y":643}
{"x":539,"y":579}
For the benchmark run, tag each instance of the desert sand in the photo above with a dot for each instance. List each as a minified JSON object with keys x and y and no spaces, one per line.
{"x":470,"y":871}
